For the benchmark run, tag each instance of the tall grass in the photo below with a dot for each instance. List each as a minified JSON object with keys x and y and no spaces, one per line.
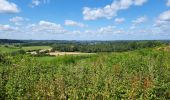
{"x":141,"y":74}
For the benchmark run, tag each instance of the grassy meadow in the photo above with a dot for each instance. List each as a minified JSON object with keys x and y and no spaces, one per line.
{"x":36,"y":48}
{"x":141,"y":74}
{"x":4,"y":49}
{"x":11,"y":48}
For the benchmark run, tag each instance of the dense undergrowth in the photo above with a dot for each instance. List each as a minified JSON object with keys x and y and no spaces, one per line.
{"x":141,"y":74}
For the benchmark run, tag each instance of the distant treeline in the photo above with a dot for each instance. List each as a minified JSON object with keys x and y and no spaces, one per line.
{"x":106,"y":46}
{"x":89,"y":46}
{"x":10,"y":41}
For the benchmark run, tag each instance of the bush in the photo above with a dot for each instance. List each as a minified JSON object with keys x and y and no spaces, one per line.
{"x":14,"y":53}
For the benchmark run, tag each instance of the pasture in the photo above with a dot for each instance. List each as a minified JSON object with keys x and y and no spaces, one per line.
{"x":11,"y":48}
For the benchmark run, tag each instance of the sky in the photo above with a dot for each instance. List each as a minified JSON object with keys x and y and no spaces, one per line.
{"x":85,"y":19}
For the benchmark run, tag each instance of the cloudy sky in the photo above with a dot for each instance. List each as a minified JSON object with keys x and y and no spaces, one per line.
{"x":85,"y":19}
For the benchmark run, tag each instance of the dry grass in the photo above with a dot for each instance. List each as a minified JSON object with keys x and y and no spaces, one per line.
{"x":68,"y":53}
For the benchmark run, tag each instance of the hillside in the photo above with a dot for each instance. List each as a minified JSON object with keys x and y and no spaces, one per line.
{"x":140,"y":74}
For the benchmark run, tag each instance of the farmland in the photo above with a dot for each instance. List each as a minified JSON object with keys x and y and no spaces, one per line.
{"x":36,"y":48}
{"x":142,"y":73}
{"x":4,"y":49}
{"x":9,"y":49}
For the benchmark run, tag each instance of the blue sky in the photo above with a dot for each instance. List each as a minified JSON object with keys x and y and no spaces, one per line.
{"x":85,"y":19}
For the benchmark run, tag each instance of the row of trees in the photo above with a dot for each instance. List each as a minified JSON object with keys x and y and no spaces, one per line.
{"x":105,"y":46}
{"x":2,"y":41}
{"x":94,"y":46}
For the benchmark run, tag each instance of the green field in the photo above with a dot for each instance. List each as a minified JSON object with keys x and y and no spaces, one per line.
{"x":142,"y":74}
{"x":11,"y":48}
{"x":8,"y":50}
{"x":36,"y":48}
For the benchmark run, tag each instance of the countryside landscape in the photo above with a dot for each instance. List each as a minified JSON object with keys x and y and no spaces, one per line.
{"x":85,"y":50}
{"x":86,"y":70}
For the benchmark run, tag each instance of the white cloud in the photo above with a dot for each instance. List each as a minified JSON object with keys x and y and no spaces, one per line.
{"x":17,"y":20}
{"x":111,"y":10}
{"x":110,"y":30}
{"x":137,"y":22}
{"x":163,"y":22}
{"x":74,"y":23}
{"x":107,"y":29}
{"x":168,"y":3}
{"x":119,"y":20}
{"x":46,"y":27}
{"x":8,"y":7}
{"x":132,"y":27}
{"x":7,"y":28}
{"x":38,"y":2}
{"x":49,"y":30}
{"x":163,"y":19}
{"x":140,"y":20}
{"x":139,"y":2}
{"x":165,"y":16}
{"x":104,"y":32}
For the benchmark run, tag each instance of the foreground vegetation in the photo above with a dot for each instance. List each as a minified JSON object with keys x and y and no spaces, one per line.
{"x":141,"y":74}
{"x":127,"y":70}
